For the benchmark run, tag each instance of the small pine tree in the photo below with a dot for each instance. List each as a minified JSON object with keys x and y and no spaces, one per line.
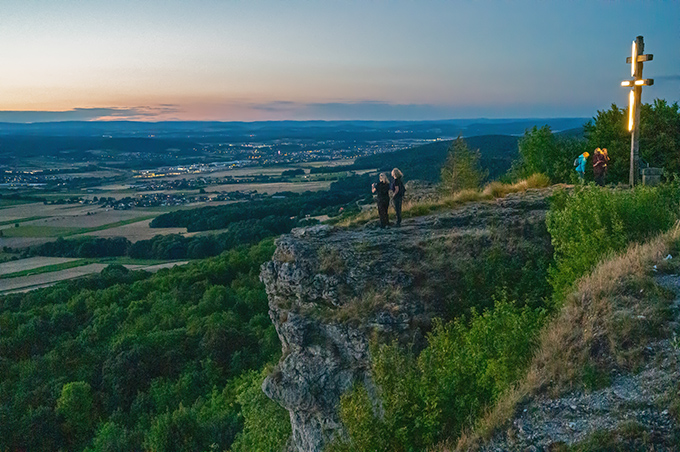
{"x":462,"y":169}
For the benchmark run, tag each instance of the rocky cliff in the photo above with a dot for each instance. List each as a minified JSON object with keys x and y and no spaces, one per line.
{"x":333,"y":291}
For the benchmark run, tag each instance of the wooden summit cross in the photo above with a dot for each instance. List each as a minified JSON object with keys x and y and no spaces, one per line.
{"x":636,"y":60}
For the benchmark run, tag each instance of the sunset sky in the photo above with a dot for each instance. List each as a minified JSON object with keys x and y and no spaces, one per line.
{"x":257,"y":60}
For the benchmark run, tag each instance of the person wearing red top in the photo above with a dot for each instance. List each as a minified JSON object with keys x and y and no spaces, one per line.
{"x":600,"y":160}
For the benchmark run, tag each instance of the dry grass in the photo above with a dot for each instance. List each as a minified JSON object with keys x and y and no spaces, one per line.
{"x":500,"y":190}
{"x":364,"y":306}
{"x":416,"y":209}
{"x":605,"y":322}
{"x":330,"y":261}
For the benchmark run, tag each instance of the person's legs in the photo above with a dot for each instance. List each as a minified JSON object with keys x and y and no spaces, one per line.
{"x":382,"y":212}
{"x":397,"y":208}
{"x":599,"y":176}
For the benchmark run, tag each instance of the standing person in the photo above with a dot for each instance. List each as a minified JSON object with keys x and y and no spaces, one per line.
{"x":580,"y":164}
{"x":398,"y":191}
{"x":382,"y":190}
{"x":600,"y":160}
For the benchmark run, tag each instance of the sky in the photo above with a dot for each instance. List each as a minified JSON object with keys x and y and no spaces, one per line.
{"x":252,"y":60}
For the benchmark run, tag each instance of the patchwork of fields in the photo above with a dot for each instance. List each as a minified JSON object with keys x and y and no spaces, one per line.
{"x":26,"y":223}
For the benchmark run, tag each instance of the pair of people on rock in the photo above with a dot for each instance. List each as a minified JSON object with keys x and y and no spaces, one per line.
{"x":600,"y":160}
{"x":383,"y":189}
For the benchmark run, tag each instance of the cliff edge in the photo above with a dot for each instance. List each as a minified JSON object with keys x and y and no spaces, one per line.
{"x":334,"y":291}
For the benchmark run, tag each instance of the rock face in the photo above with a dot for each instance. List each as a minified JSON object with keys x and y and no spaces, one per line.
{"x":333,"y":290}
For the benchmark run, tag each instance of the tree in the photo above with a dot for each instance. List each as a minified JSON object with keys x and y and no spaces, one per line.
{"x":76,"y":408}
{"x":541,"y":151}
{"x":659,"y":137}
{"x":462,"y":169}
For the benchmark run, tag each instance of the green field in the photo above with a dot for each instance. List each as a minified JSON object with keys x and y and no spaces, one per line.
{"x":48,"y":268}
{"x":56,"y":231}
{"x":80,"y":262}
{"x":21,"y":220}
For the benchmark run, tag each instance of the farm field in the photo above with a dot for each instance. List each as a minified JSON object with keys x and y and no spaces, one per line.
{"x":327,"y":163}
{"x":30,"y":263}
{"x":31,"y":282}
{"x":296,"y":187}
{"x":136,"y":231}
{"x":64,"y":231}
{"x":4,"y":203}
{"x":239,"y":172}
{"x":39,"y":223}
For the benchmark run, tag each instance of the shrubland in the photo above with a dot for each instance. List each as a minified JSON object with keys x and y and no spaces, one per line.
{"x":590,"y":224}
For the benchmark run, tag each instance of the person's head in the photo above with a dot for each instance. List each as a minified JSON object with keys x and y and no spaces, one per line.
{"x":604,"y":151}
{"x":383,"y":177}
{"x":397,"y":174}
{"x":586,"y":155}
{"x":598,"y":151}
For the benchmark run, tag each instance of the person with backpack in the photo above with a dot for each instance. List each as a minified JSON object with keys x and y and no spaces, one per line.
{"x":600,"y":160}
{"x":398,"y":191}
{"x":580,"y":164}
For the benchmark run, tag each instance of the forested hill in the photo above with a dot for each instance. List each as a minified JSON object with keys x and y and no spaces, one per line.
{"x":130,"y":361}
{"x":425,"y":162}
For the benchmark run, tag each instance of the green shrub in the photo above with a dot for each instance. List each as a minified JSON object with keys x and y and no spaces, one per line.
{"x":591,"y":223}
{"x":462,"y":370}
{"x":541,"y":151}
{"x":266,"y":426}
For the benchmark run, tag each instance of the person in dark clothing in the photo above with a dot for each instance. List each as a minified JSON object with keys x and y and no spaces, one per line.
{"x":600,"y":160}
{"x":398,"y":190}
{"x":382,"y":190}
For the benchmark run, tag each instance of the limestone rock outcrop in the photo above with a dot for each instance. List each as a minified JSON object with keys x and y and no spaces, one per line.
{"x":332,"y":291}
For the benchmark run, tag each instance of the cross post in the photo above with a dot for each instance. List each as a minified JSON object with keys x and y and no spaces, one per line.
{"x":636,"y":61}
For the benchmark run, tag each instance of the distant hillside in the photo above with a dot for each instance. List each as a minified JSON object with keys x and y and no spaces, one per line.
{"x":424,"y":162}
{"x":82,"y":147}
{"x":271,"y":130}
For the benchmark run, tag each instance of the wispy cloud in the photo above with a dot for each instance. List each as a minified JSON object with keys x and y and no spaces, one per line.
{"x":90,"y":114}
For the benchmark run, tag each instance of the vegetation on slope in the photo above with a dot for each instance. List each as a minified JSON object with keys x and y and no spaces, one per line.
{"x":479,"y":359}
{"x":132,"y":361}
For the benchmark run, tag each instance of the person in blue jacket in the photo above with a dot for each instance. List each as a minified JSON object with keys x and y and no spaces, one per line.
{"x":580,"y":164}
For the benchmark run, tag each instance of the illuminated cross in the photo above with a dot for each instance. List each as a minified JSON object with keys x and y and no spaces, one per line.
{"x":636,"y":60}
